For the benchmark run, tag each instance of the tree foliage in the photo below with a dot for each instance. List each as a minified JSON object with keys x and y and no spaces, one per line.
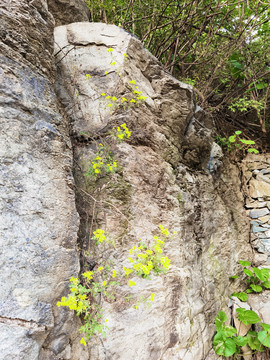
{"x":221,"y":47}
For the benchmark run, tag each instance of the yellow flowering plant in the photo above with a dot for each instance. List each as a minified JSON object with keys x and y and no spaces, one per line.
{"x":102,"y":164}
{"x":147,"y":260}
{"x":101,"y":282}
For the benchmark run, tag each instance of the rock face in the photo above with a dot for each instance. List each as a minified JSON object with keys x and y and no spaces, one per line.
{"x":170,"y":174}
{"x":39,"y":221}
{"x":68,"y":11}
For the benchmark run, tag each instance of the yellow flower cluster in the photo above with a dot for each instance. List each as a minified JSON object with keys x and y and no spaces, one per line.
{"x":84,"y":294}
{"x":76,"y":302}
{"x":102,"y":163}
{"x":99,"y":235}
{"x":88,"y":275}
{"x":121,"y":132}
{"x":144,"y":260}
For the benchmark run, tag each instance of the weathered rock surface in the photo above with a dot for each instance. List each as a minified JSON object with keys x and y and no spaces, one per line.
{"x":172,"y":173}
{"x":39,"y":222}
{"x":68,"y":11}
{"x":163,"y":180}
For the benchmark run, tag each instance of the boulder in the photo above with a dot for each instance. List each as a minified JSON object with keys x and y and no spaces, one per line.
{"x":39,"y":221}
{"x":160,"y":183}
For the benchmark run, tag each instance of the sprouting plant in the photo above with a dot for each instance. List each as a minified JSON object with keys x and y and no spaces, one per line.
{"x":227,"y":341}
{"x":134,"y":97}
{"x":235,"y":142}
{"x":255,"y":278}
{"x":103,"y":163}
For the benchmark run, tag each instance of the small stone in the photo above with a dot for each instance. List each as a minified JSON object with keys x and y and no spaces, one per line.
{"x":256,"y":204}
{"x":260,"y":248}
{"x":259,"y":189}
{"x":256,"y":223}
{"x":264,"y":219}
{"x":257,"y":229}
{"x":250,"y":204}
{"x":262,"y":235}
{"x":266,"y":243}
{"x":262,"y":177}
{"x":265,"y":171}
{"x":256,"y":213}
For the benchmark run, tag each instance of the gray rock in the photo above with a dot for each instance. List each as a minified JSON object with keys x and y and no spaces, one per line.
{"x":256,"y":213}
{"x":68,"y":11}
{"x":257,"y":229}
{"x":39,"y":221}
{"x":259,"y":189}
{"x":208,"y":220}
{"x":265,"y":171}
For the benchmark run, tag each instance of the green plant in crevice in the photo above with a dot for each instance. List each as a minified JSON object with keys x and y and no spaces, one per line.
{"x":121,"y":133}
{"x":101,"y":283}
{"x":227,"y":341}
{"x":235,"y":142}
{"x":103,"y":163}
{"x":255,"y":278}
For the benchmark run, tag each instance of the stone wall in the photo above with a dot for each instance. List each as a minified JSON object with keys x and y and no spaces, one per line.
{"x":256,"y":171}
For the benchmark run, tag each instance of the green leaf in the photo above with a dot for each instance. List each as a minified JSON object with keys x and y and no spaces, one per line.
{"x":232,"y":139}
{"x":220,"y":320}
{"x":255,"y":151}
{"x":266,"y":327}
{"x":229,"y":331}
{"x":237,"y":65}
{"x":256,"y":288}
{"x":224,"y":347}
{"x":247,"y":316}
{"x":238,"y":132}
{"x":248,"y":272}
{"x":247,"y":142}
{"x":249,"y":291}
{"x":261,"y":274}
{"x":266,"y":284}
{"x":241,"y":340}
{"x":253,"y":341}
{"x":264,"y":338}
{"x":234,"y":277}
{"x":244,"y":263}
{"x":241,"y":296}
{"x":261,"y":85}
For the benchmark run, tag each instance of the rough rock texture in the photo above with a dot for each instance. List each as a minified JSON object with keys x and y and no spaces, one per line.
{"x":68,"y":11}
{"x":171,"y":174}
{"x":39,"y":222}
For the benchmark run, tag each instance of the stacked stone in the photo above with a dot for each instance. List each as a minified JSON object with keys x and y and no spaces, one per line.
{"x":258,"y":201}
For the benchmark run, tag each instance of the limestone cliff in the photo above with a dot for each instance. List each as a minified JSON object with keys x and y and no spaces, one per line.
{"x":52,"y":116}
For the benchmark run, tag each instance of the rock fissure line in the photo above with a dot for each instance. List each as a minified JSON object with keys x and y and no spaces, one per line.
{"x":29,"y":324}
